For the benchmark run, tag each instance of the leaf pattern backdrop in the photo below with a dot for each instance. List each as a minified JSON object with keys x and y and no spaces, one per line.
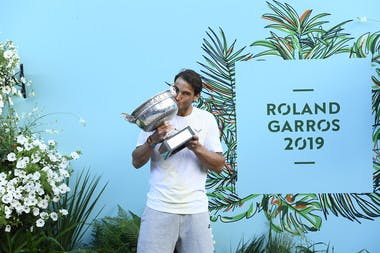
{"x":292,"y":36}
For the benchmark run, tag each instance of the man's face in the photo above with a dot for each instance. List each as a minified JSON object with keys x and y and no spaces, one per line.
{"x":185,"y":96}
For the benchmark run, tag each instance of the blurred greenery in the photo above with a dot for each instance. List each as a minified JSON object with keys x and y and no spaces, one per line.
{"x":116,"y":234}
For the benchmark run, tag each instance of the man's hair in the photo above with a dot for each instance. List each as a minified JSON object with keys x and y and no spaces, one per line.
{"x":192,"y":78}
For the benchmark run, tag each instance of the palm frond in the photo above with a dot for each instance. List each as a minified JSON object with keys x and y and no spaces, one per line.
{"x":369,"y":44}
{"x":295,"y":214}
{"x":305,"y":39}
{"x":353,"y":206}
{"x":80,"y":204}
{"x":218,"y":74}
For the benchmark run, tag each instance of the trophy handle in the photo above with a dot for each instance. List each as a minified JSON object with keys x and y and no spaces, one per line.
{"x":129,"y":117}
{"x":173,"y":91}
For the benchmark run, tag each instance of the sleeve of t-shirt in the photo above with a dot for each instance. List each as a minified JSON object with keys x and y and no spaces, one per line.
{"x":212,"y":141}
{"x":141,"y":139}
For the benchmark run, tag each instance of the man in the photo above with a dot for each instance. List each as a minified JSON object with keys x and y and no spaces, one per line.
{"x":176,"y":214}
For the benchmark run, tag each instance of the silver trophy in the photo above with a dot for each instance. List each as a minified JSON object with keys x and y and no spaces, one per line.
{"x":154,"y":112}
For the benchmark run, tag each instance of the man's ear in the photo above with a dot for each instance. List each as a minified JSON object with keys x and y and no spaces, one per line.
{"x":196,"y":97}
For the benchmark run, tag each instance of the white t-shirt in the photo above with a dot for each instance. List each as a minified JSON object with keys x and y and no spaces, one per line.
{"x":177,"y":184}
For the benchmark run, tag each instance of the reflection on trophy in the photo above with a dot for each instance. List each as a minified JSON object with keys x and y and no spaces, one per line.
{"x":154,"y":112}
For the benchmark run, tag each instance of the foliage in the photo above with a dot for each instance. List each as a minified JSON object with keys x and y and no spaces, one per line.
{"x":80,"y":204}
{"x":282,"y":243}
{"x":219,"y":86}
{"x":65,"y":234}
{"x":117,"y":234}
{"x":9,"y":61}
{"x":32,"y":177}
{"x":305,"y":37}
{"x":368,"y":45}
{"x":255,"y":245}
{"x":39,"y":211}
{"x":32,"y":171}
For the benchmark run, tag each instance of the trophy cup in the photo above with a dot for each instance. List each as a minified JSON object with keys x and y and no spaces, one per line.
{"x":153,"y":113}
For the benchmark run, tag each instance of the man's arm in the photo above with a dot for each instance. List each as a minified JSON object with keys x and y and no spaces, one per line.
{"x":142,"y":153}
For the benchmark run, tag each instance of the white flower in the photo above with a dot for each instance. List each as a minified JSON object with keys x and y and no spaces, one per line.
{"x":53,"y":158}
{"x":43,"y":204}
{"x":40,"y":191}
{"x":8,"y":54}
{"x":64,"y":172}
{"x":21,"y":139}
{"x":7,"y":228}
{"x":82,"y":122}
{"x":35,"y":158}
{"x":21,"y":164}
{"x":17,"y":194}
{"x":36,"y":211}
{"x":7,"y":210}
{"x":18,"y":207}
{"x":74,"y":155}
{"x":51,"y":143}
{"x":63,"y":188}
{"x":6,"y":90}
{"x":64,"y":164}
{"x":7,"y":198}
{"x":36,"y":176}
{"x":40,"y":223}
{"x":28,"y":146}
{"x":54,"y":216}
{"x":43,"y":146}
{"x":45,"y":169}
{"x":44,"y":215}
{"x":3,"y":176}
{"x":63,"y":211}
{"x":11,"y":157}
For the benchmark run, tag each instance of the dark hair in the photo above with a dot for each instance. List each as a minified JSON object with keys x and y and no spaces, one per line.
{"x":191,"y":77}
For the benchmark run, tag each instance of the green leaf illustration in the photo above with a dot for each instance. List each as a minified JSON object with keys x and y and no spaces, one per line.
{"x":302,"y":37}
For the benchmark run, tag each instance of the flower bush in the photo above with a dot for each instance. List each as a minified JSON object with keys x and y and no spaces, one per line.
{"x":33,"y":173}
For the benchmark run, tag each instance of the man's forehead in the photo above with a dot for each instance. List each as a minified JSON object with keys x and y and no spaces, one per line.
{"x":182,"y":85}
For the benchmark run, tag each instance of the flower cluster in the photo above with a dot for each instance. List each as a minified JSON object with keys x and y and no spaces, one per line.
{"x":9,"y":61}
{"x":33,"y":174}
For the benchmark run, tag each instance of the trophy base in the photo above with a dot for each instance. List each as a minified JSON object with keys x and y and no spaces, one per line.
{"x":176,"y":142}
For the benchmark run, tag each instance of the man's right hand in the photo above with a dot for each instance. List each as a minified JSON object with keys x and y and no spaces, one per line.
{"x":141,"y":154}
{"x":161,"y":132}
